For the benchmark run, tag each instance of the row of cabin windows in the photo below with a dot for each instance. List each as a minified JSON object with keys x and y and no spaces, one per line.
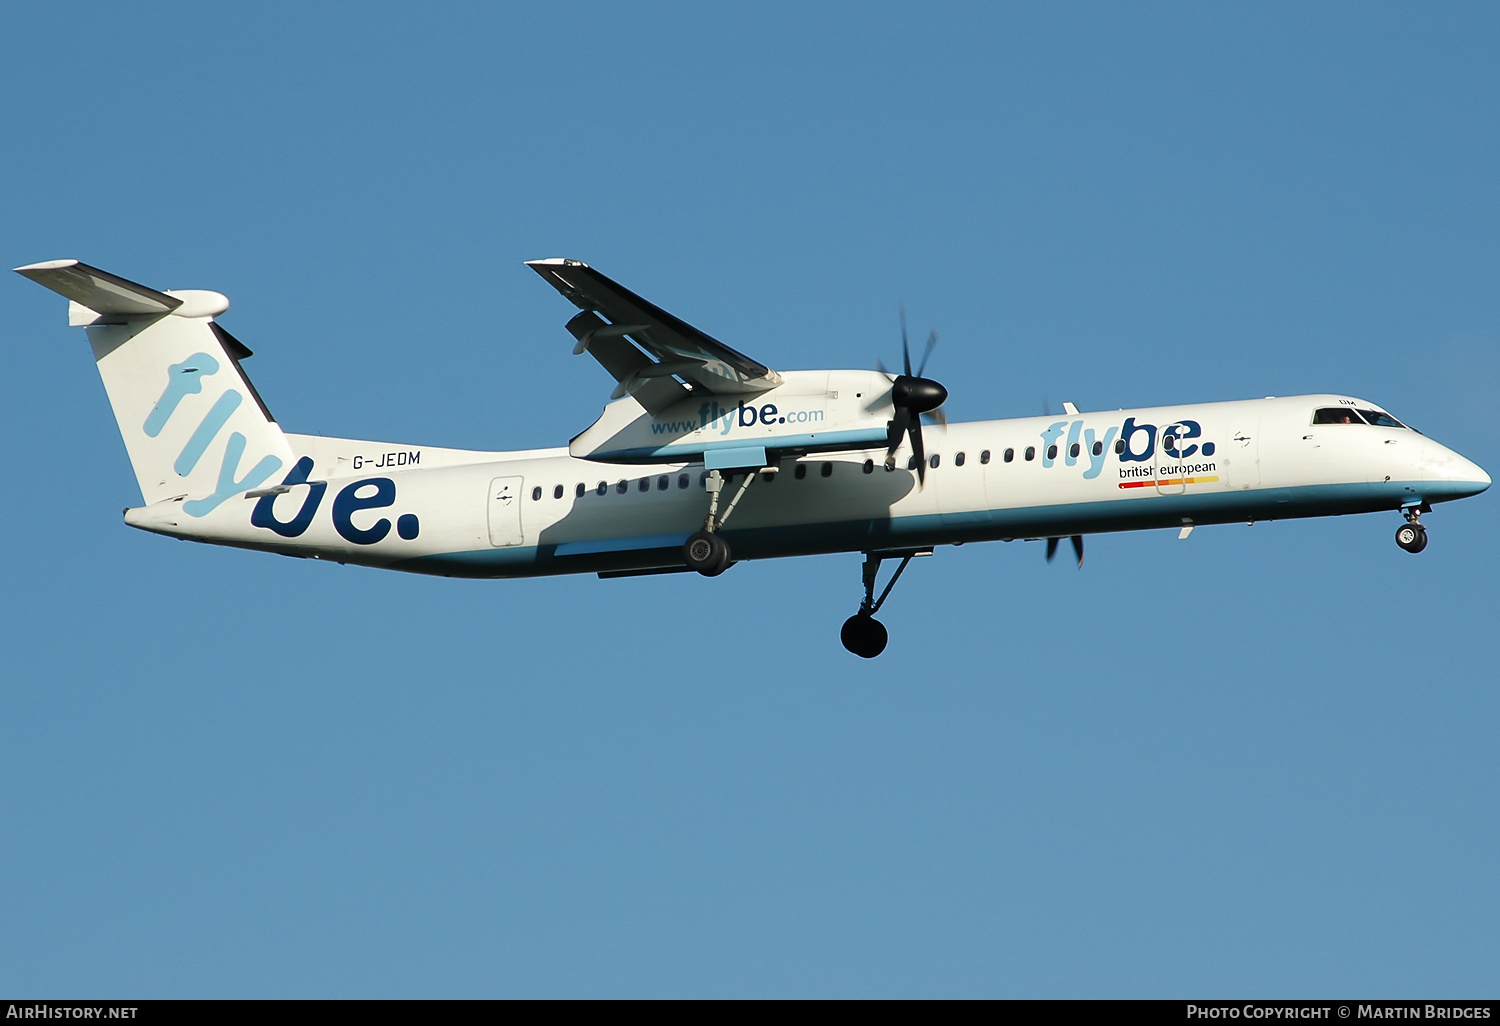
{"x":664,"y":482}
{"x":1009,"y":456}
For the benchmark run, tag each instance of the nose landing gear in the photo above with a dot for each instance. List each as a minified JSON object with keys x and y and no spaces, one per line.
{"x":1412,"y":536}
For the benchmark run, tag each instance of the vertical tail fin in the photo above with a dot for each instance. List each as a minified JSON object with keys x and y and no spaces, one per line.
{"x":194,"y":427}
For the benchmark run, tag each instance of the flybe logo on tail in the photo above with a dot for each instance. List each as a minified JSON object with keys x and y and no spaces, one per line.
{"x":185,"y":379}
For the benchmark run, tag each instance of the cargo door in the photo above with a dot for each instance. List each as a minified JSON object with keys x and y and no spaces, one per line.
{"x":505,"y":511}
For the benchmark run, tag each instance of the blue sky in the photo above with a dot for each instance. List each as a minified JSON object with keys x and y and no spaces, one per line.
{"x":1259,"y":761}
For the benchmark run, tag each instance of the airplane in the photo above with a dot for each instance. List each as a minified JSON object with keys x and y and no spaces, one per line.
{"x":839,"y":460}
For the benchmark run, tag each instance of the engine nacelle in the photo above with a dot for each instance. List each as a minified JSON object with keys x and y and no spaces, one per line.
{"x":812,"y":411}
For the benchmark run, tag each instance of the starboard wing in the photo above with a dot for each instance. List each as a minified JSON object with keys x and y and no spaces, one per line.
{"x":655,"y":357}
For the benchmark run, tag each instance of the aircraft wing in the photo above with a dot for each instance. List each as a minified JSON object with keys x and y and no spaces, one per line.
{"x":655,"y":357}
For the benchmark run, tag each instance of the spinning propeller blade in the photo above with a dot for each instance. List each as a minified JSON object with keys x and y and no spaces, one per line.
{"x":931,"y":342}
{"x":912,"y":395}
{"x":914,"y":430}
{"x":905,"y":349}
{"x":894,"y":433}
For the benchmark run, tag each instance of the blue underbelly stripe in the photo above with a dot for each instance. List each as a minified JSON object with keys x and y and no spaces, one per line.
{"x":1144,"y":513}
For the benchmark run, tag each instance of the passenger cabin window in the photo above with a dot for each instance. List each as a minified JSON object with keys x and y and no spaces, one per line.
{"x":869,"y":467}
{"x":800,"y":472}
{"x":536,"y":493}
{"x":580,"y":490}
{"x":827,"y":470}
{"x":682,"y":480}
{"x":984,"y":457}
{"x":1119,"y":447}
{"x":557,"y":492}
{"x":603,"y":487}
{"x":1074,"y":450}
{"x":934,"y":460}
{"x":622,"y":487}
{"x":1052,"y":452}
{"x":1381,"y":419}
{"x":1098,"y":449}
{"x":663,"y":482}
{"x":1010,"y":455}
{"x":1336,"y":415}
{"x":911,"y":464}
{"x":958,"y":459}
{"x":768,"y":477}
{"x":1030,"y":453}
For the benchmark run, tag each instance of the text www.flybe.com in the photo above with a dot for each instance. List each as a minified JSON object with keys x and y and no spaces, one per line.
{"x":724,"y":421}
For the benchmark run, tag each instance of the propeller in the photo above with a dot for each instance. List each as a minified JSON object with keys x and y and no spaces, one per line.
{"x":912,"y":395}
{"x":1077,"y":540}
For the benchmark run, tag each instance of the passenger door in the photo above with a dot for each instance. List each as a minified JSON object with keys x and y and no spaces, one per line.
{"x":505,"y":511}
{"x":1242,"y":453}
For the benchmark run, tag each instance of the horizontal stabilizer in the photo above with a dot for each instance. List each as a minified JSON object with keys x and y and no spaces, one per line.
{"x":100,"y":291}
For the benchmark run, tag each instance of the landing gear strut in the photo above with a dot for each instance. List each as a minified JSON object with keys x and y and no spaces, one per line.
{"x":862,"y":634}
{"x":1412,"y":536}
{"x":705,"y":551}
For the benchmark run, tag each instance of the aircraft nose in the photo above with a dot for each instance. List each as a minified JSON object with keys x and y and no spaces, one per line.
{"x":1477,"y":476}
{"x":1455,"y":474}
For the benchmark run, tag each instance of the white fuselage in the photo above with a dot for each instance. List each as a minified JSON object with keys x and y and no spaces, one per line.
{"x":516,"y":514}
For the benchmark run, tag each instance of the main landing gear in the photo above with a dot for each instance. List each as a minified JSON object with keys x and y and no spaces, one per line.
{"x":1412,"y":536}
{"x":705,"y":551}
{"x":862,"y":634}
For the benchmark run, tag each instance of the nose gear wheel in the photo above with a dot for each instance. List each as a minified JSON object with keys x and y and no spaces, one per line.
{"x":1411,"y":537}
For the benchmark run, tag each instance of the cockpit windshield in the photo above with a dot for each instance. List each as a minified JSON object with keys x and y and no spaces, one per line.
{"x":1336,"y":415}
{"x":1345,"y":415}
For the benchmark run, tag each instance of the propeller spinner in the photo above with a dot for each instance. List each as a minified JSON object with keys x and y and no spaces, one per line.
{"x":912,"y":395}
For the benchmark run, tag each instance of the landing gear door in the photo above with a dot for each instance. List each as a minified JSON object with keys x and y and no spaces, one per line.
{"x":505,"y":511}
{"x":1242,"y":454}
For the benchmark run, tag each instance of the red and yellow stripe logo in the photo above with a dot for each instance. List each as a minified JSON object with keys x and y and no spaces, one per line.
{"x":1170,"y":482}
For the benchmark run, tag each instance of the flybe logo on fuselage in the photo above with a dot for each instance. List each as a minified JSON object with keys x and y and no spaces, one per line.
{"x":379,"y":493}
{"x":1144,"y":451}
{"x":723,"y":421}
